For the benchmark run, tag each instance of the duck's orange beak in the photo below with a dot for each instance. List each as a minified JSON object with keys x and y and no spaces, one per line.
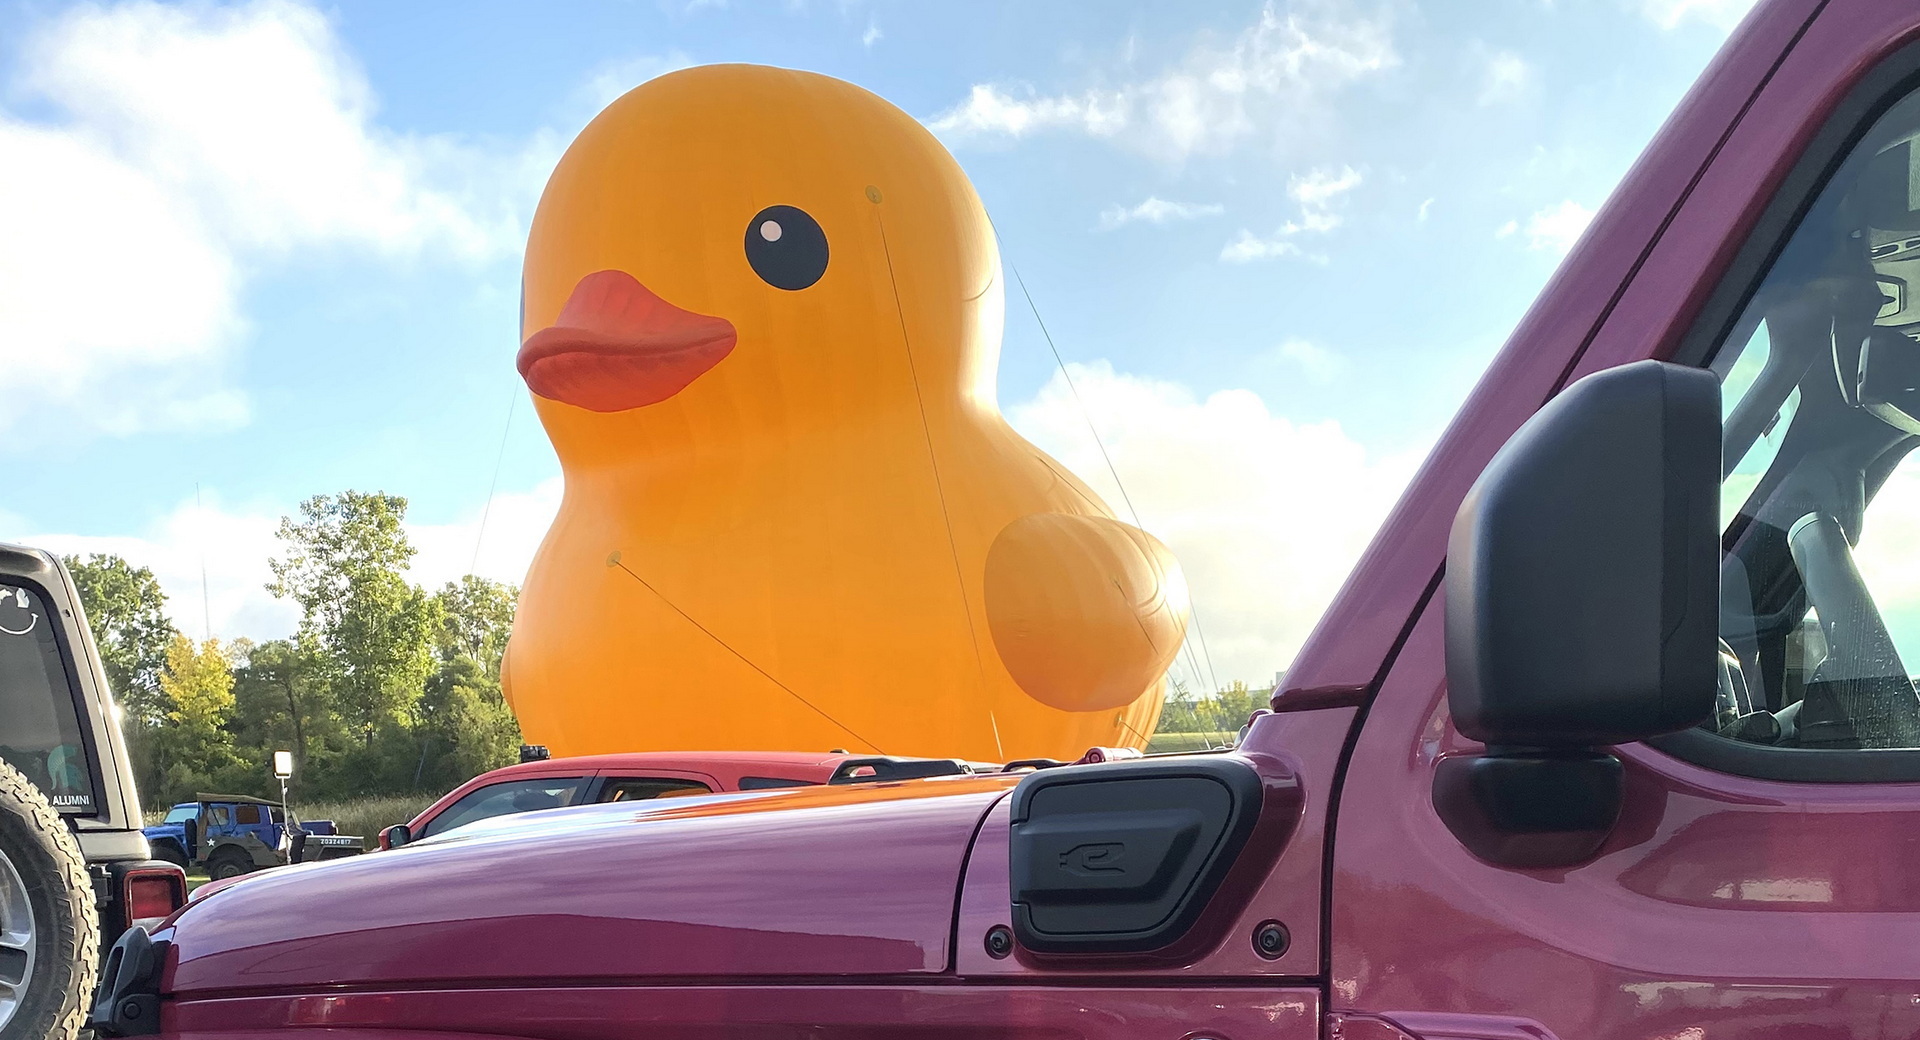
{"x":616,"y":345}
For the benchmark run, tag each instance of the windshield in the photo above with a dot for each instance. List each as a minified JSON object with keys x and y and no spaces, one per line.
{"x":40,"y":732}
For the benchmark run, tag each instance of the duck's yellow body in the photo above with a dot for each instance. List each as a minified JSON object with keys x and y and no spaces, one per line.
{"x":762,"y":317}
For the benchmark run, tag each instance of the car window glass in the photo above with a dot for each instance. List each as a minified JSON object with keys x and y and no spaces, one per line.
{"x":246,"y":815}
{"x":1820,"y":379}
{"x":767,"y":783}
{"x":183,"y":813}
{"x":39,"y":720}
{"x":510,"y":796}
{"x":641,"y":788}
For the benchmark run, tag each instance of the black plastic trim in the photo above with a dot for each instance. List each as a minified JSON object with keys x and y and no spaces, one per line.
{"x":1796,"y":765}
{"x":1199,"y":851}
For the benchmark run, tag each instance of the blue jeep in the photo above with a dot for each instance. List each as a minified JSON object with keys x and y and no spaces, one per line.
{"x":231,"y":834}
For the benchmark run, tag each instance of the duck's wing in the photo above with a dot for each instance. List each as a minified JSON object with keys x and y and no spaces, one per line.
{"x":1086,"y":612}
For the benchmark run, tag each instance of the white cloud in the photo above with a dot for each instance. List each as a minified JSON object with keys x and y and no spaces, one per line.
{"x":1275,"y":70}
{"x":1219,"y":480}
{"x":1317,"y":194}
{"x":515,"y":524}
{"x":233,"y":546}
{"x":1507,"y":230}
{"x":1156,"y":210}
{"x":1556,"y":228}
{"x":611,"y":79}
{"x":991,"y":110}
{"x":1320,"y":364}
{"x":1505,"y":77}
{"x":1424,"y":207}
{"x":873,"y":34}
{"x":1719,"y":14}
{"x":180,"y":149}
{"x":1248,"y":247}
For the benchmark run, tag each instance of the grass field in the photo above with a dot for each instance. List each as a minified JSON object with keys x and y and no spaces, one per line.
{"x":366,"y":817}
{"x":1189,"y":741}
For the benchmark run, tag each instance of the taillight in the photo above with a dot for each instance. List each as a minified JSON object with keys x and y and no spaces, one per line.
{"x":152,"y":893}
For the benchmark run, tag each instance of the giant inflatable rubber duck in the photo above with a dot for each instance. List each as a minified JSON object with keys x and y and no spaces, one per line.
{"x":761,"y":320}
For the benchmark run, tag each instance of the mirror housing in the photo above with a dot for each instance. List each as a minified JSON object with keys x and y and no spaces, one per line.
{"x":1583,"y":581}
{"x":1582,"y":607}
{"x":395,"y":836}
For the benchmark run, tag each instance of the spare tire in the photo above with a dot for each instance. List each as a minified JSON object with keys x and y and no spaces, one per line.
{"x":49,"y":934}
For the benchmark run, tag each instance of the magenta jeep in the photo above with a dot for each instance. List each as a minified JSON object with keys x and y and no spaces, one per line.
{"x":1610,"y":734}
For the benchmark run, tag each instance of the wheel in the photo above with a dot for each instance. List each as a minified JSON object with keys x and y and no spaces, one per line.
{"x":228,"y":862}
{"x":49,"y":933}
{"x":170,"y":853}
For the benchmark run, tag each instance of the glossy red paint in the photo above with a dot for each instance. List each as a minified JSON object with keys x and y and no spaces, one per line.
{"x":764,"y":1012}
{"x":838,"y":881}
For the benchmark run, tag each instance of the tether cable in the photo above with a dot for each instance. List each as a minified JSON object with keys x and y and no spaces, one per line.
{"x":1192,"y":611}
{"x":615,"y":560}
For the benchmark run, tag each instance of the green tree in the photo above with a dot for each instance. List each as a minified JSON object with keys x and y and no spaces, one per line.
{"x":464,"y":727}
{"x":371,"y":631}
{"x":463,"y":724}
{"x":1223,"y":711}
{"x":126,"y":609}
{"x":477,"y":616}
{"x":194,"y":745}
{"x":282,"y":701}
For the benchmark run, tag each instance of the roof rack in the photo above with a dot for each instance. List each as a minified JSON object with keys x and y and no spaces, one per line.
{"x":888,"y":768}
{"x":241,"y":799}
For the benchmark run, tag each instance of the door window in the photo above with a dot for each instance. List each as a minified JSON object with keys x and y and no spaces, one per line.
{"x":768,"y":783}
{"x":511,"y":796}
{"x":39,"y":722}
{"x":1820,"y":582}
{"x":643,"y":788}
{"x":246,"y":815}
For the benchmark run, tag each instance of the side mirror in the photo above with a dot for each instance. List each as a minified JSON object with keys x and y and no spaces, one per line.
{"x":395,"y":836}
{"x":190,"y":836}
{"x":1582,"y":599}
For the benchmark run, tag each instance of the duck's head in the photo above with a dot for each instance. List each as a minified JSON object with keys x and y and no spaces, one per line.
{"x":731,"y":247}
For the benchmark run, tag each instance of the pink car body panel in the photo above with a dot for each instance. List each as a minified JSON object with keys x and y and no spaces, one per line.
{"x":610,"y":892}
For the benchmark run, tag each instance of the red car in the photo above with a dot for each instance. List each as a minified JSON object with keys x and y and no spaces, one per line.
{"x":1609,"y":734}
{"x":642,"y":776}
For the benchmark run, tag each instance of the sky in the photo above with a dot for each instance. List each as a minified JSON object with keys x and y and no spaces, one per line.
{"x":255,"y":252}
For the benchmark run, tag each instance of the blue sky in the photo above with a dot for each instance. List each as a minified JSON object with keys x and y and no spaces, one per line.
{"x":255,"y":252}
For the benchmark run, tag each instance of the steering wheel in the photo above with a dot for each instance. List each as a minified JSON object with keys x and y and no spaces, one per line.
{"x":1861,"y":695}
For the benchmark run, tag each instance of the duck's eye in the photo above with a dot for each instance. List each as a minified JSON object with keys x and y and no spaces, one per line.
{"x":786,"y":247}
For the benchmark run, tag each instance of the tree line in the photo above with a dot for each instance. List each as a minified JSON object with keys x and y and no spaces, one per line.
{"x":385,"y":688}
{"x":1223,"y":712}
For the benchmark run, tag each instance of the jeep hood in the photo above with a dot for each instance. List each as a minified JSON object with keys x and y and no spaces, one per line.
{"x":856,"y":880}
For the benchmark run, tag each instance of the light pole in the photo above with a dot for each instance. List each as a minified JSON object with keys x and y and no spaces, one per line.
{"x":282,"y":771}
